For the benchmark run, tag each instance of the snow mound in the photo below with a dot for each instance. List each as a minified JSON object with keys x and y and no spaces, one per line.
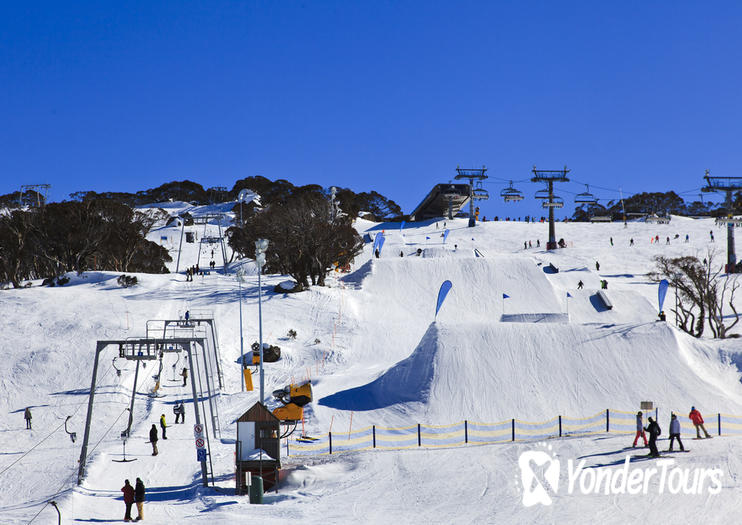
{"x":491,"y":372}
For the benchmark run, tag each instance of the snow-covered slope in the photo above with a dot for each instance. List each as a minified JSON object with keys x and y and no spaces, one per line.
{"x":368,"y":343}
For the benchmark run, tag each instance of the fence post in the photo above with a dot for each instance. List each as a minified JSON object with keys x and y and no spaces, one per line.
{"x":560,"y":426}
{"x":607,"y":420}
{"x":419,"y":441}
{"x":287,"y":448}
{"x":512,"y":427}
{"x":373,"y":428}
{"x":718,"y":422}
{"x":466,"y":431}
{"x":330,"y":442}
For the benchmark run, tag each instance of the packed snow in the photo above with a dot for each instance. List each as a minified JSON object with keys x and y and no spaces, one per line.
{"x":376,"y":355}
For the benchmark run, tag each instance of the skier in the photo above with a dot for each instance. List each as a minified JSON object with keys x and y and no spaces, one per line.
{"x":529,"y":244}
{"x":697,"y":419}
{"x":27,"y":417}
{"x":139,"y":498}
{"x":711,"y":232}
{"x":128,"y":491}
{"x":611,"y":241}
{"x":401,"y":254}
{"x":656,"y":238}
{"x":686,"y":237}
{"x":654,"y":430}
{"x":631,"y":242}
{"x":667,"y":241}
{"x":525,"y":245}
{"x":639,"y":430}
{"x":538,"y":243}
{"x":675,"y":432}
{"x":580,"y":285}
{"x":184,"y":375}
{"x":153,"y":438}
{"x":597,"y":266}
{"x":163,"y":426}
{"x":376,"y":253}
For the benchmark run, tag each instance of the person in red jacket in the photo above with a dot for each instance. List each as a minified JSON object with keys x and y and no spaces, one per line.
{"x":128,"y":491}
{"x":697,"y":419}
{"x":639,"y":430}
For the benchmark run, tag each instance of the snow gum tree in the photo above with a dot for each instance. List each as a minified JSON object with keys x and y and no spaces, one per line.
{"x":704,"y":293}
{"x":305,"y":238}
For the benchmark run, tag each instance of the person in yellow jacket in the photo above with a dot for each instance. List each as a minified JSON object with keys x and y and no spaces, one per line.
{"x":163,"y":426}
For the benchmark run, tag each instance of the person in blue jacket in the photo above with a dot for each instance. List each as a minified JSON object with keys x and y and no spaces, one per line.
{"x":675,"y":432}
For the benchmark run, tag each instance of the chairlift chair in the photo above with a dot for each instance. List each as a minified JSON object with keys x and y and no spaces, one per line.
{"x":542,"y":194}
{"x":511,"y":194}
{"x":586,"y":197}
{"x":556,"y":202}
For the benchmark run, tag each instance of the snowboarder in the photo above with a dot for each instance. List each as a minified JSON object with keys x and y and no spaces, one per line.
{"x":401,"y":254}
{"x":128,"y":491}
{"x":27,"y":417}
{"x":538,"y":243}
{"x":603,"y":284}
{"x":656,"y":238}
{"x":597,"y":266}
{"x":525,"y":245}
{"x":686,"y":237}
{"x":639,"y":430}
{"x":697,"y":419}
{"x":153,"y":438}
{"x":139,"y":498}
{"x":163,"y":426}
{"x":184,"y":375}
{"x":611,"y":241}
{"x":631,"y":242}
{"x":675,"y":432}
{"x":667,"y":241}
{"x":580,"y":285}
{"x":376,"y":253}
{"x":529,"y":244}
{"x":711,"y":232}
{"x":187,"y":316}
{"x":654,"y":431}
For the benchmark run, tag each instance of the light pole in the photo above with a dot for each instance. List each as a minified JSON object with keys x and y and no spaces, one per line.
{"x":240,"y":279}
{"x":260,"y":246}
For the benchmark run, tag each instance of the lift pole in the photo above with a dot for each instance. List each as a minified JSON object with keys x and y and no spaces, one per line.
{"x":727,"y":185}
{"x":550,"y":177}
{"x":471,"y":175}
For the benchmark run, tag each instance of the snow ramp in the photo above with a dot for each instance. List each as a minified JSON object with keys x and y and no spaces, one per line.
{"x":495,"y":371}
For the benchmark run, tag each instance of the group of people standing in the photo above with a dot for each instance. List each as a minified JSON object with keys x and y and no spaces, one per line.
{"x":654,"y":431}
{"x":133,"y":495}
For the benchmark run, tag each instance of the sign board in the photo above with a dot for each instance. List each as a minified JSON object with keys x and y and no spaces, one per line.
{"x":647,"y":405}
{"x":198,"y":430}
{"x":199,"y":442}
{"x":201,"y":454}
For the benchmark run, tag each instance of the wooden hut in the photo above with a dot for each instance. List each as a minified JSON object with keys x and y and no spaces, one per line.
{"x":257,"y":430}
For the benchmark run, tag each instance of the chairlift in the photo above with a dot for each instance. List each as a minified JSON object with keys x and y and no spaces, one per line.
{"x":586,"y":197}
{"x":542,"y":194}
{"x":510,"y":194}
{"x":73,"y":435}
{"x":556,"y":202}
{"x":480,"y":193}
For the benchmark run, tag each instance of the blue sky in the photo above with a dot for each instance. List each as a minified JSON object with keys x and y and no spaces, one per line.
{"x":380,"y":95}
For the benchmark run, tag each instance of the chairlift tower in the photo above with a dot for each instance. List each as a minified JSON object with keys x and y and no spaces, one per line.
{"x":727,"y":185}
{"x":41,"y":190}
{"x":551,"y":201}
{"x":475,"y":174}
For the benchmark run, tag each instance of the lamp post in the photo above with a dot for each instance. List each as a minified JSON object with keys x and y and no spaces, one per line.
{"x":260,"y":246}
{"x":240,"y":280}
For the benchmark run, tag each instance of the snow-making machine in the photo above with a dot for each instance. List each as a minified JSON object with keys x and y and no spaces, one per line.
{"x":294,"y":398}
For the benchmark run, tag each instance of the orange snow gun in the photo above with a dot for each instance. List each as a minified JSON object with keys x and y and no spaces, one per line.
{"x":294,"y":398}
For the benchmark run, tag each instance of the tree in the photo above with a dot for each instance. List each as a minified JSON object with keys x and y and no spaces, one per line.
{"x":304,"y":240}
{"x":702,"y":293}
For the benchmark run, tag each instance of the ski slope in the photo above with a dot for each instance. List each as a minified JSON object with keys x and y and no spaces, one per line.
{"x":369,"y":343}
